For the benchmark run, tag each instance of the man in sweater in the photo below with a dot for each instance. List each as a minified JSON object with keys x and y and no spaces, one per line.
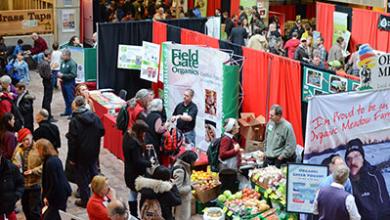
{"x":68,"y":74}
{"x":333,"y":202}
{"x":280,"y":142}
{"x":44,"y":71}
{"x":40,"y":46}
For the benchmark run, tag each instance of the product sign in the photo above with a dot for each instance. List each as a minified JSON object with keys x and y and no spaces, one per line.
{"x":356,"y":126}
{"x":129,"y":57}
{"x":150,"y":59}
{"x":303,"y":181}
{"x":384,"y":22}
{"x":200,"y":69}
{"x":213,"y":26}
{"x":318,"y":82}
{"x":374,"y":69}
{"x":78,"y":57}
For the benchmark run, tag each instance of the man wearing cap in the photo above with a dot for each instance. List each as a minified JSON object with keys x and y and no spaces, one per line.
{"x":369,"y":187}
{"x":301,"y":52}
{"x":185,"y":114}
{"x":280,"y":142}
{"x":84,"y":135}
{"x":46,"y":129}
{"x":27,"y":159}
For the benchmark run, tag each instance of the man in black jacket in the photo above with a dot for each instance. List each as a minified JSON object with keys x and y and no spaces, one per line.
{"x":228,"y":23}
{"x":46,"y":129}
{"x":11,"y":187}
{"x":238,"y":35}
{"x":301,"y":52}
{"x":25,"y":102}
{"x":84,"y":135}
{"x":44,"y":71}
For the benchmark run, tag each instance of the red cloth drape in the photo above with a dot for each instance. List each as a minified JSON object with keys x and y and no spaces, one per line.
{"x":212,"y":5}
{"x":190,"y":4}
{"x":311,"y":10}
{"x":159,"y":36}
{"x":365,"y":30}
{"x":289,"y":10}
{"x":325,"y":22}
{"x":196,"y":38}
{"x":234,"y":5}
{"x":284,"y":88}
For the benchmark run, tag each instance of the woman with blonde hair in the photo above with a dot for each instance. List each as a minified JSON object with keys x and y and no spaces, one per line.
{"x":102,"y":195}
{"x":55,"y":186}
{"x":82,"y":90}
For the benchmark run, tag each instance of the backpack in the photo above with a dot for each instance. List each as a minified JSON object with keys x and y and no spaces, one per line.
{"x":122,"y":120}
{"x":213,"y":154}
{"x":151,"y":210}
{"x":172,"y":141}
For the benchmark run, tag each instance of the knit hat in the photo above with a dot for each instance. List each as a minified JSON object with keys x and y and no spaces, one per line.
{"x":354,"y":145}
{"x":22,"y":134}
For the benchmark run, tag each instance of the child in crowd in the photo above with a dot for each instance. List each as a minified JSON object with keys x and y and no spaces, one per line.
{"x":55,"y":64}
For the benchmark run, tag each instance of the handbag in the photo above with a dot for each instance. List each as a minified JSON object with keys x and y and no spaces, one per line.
{"x":151,"y":155}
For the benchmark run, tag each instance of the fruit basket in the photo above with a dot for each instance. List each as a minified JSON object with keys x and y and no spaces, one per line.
{"x":206,"y":185}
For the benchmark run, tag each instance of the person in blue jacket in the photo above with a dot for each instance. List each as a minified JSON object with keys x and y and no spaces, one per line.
{"x":18,"y":48}
{"x":22,"y":70}
{"x":368,"y":184}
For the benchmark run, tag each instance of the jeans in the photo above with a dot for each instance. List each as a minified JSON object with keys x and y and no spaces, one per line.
{"x":190,"y":137}
{"x":38,"y":57}
{"x":84,"y":175}
{"x":54,"y":74}
{"x":47,"y":97}
{"x":68,"y":93}
{"x":31,"y":202}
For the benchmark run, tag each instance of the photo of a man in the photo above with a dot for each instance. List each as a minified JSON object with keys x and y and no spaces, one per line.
{"x":368,"y":184}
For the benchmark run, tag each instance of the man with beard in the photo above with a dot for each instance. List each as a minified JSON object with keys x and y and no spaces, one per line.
{"x":368,"y":184}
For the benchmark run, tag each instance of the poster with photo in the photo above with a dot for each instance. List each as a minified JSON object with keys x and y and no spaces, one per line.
{"x":314,"y":78}
{"x":337,"y":84}
{"x":202,"y":6}
{"x":129,"y":57}
{"x":78,"y":57}
{"x":356,"y":126}
{"x":340,"y":25}
{"x":150,"y":59}
{"x":68,"y":20}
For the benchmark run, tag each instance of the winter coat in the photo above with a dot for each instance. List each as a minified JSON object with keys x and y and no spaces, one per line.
{"x":8,"y":144}
{"x":48,"y":131}
{"x":84,"y":135}
{"x":165,"y":192}
{"x":371,"y":195}
{"x":182,"y":179}
{"x":301,"y":53}
{"x":5,"y":103}
{"x":55,"y":186}
{"x":11,"y":186}
{"x":28,"y":159}
{"x":96,"y":208}
{"x":25,"y":105}
{"x":152,"y":136}
{"x":238,"y":35}
{"x":40,"y":45}
{"x":135,"y":162}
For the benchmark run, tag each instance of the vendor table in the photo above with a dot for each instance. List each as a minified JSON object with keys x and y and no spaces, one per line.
{"x":104,"y":102}
{"x":113,"y":137}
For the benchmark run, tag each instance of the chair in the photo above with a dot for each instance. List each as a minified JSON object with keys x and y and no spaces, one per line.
{"x":123,"y":94}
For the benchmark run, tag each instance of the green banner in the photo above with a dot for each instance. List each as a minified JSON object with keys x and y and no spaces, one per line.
{"x":90,"y":64}
{"x":231,"y":88}
{"x":318,"y":82}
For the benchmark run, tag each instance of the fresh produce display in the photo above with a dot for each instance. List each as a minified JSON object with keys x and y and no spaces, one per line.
{"x":202,"y":180}
{"x":213,"y":213}
{"x":268,"y":177}
{"x":243,"y":203}
{"x":252,"y":158}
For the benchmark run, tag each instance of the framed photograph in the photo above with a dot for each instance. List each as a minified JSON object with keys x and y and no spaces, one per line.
{"x":319,"y":92}
{"x":337,"y":84}
{"x":210,"y":102}
{"x":314,"y":78}
{"x":303,"y":182}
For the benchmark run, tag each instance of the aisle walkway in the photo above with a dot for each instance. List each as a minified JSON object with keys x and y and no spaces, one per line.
{"x":110,"y":165}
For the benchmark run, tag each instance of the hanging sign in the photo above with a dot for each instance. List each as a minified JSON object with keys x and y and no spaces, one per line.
{"x":129,"y":57}
{"x":384,"y":23}
{"x":150,"y":58}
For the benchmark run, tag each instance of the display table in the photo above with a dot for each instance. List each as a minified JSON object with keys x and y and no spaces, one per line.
{"x":113,"y":137}
{"x":103,"y":102}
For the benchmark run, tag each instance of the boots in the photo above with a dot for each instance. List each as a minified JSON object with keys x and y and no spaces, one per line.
{"x":133,"y":207}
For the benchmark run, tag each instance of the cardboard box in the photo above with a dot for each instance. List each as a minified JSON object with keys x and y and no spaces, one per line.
{"x":205,"y":196}
{"x":252,"y":128}
{"x":193,"y":206}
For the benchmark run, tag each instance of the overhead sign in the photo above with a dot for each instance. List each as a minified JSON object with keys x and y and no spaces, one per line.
{"x":19,"y":22}
{"x":373,"y":3}
{"x":384,"y":23}
{"x":303,"y":182}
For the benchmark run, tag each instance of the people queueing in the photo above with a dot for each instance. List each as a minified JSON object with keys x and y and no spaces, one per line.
{"x":280,"y":142}
{"x":26,"y":158}
{"x":185,"y":116}
{"x":55,"y":186}
{"x":46,"y":129}
{"x":84,"y":135}
{"x":67,"y":74}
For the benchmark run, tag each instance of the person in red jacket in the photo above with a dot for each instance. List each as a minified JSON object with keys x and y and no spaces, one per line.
{"x":102,"y":195}
{"x":40,"y":44}
{"x":138,"y":105}
{"x":229,"y":149}
{"x":5,"y":103}
{"x":292,"y":45}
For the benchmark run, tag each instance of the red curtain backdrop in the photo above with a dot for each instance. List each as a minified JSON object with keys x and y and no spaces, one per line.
{"x":288,"y":10}
{"x":325,"y":22}
{"x":159,"y":36}
{"x":284,"y":87}
{"x":192,"y":37}
{"x":365,"y":30}
{"x":234,"y":5}
{"x":212,"y":5}
{"x":311,"y":10}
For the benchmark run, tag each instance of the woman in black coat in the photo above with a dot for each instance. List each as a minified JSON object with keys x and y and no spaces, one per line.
{"x":11,"y":187}
{"x":55,"y":186}
{"x":135,"y":160}
{"x":156,"y":126}
{"x":25,"y":105}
